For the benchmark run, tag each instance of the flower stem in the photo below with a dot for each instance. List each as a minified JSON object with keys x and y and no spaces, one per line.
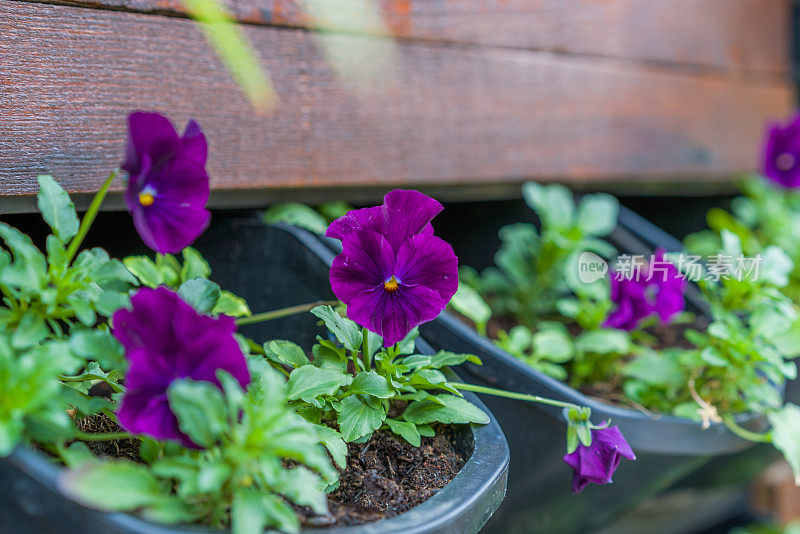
{"x":89,"y":216}
{"x":101,"y":436}
{"x":743,"y":433}
{"x":365,"y":349}
{"x":283,"y":312}
{"x":512,"y":395}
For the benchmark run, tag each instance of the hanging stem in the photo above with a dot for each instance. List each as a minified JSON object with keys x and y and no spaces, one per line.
{"x":89,"y":216}
{"x":365,"y":349}
{"x":283,"y":312}
{"x":512,"y":395}
{"x":743,"y":433}
{"x":105,"y":436}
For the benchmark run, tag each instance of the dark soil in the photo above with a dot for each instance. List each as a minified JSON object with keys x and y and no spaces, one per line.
{"x":118,"y":448}
{"x":387,"y":476}
{"x":384,"y":476}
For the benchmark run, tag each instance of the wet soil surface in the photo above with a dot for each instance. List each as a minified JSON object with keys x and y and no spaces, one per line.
{"x":387,"y":476}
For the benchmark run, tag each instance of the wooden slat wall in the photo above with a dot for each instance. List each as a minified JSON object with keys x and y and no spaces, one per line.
{"x":645,"y":90}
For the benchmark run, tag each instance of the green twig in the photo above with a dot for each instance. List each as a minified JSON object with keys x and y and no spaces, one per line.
{"x":89,"y":217}
{"x":101,"y":436}
{"x":743,"y":433}
{"x":512,"y":395}
{"x":365,"y":349}
{"x":283,"y":312}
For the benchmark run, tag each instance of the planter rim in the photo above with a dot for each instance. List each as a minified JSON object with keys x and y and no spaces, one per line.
{"x":475,"y":492}
{"x":716,"y":439}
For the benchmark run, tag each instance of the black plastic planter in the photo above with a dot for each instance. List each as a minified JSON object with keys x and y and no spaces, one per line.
{"x":272,"y":268}
{"x":539,"y":498}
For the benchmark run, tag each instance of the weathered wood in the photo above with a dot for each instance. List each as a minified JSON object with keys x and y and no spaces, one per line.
{"x":737,"y":35}
{"x":442,"y":115}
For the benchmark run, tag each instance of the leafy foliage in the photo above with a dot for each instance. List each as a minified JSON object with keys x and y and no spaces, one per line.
{"x":537,"y":268}
{"x":189,"y":279}
{"x":241,"y":476}
{"x":354,"y":382}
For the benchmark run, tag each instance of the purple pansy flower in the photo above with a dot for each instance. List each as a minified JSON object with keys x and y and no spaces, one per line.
{"x":637,"y":298}
{"x":393,"y":273}
{"x":597,"y":462}
{"x":781,"y":153}
{"x":166,"y":339}
{"x":167,"y":181}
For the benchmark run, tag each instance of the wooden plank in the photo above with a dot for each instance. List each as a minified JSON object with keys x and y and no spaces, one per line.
{"x":737,"y":35}
{"x":442,"y":115}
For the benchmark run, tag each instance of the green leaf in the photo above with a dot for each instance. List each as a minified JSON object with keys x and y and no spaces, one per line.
{"x":116,"y":485}
{"x":279,"y":514}
{"x":302,"y":486}
{"x":76,"y":454}
{"x":200,"y":408}
{"x":329,"y":356}
{"x":572,"y":438}
{"x":553,"y":203}
{"x":346,"y":331}
{"x":371,"y":383}
{"x":10,"y":434}
{"x":98,"y":345}
{"x":604,"y":341}
{"x":447,"y":409}
{"x":298,"y":215}
{"x":200,"y":293}
{"x":144,"y":269}
{"x":230,"y":304}
{"x":332,"y":440}
{"x":248,"y":515}
{"x":57,"y":209}
{"x":598,"y":213}
{"x":552,"y":345}
{"x":30,"y":331}
{"x":170,"y":510}
{"x":194,"y":265}
{"x":445,"y":358}
{"x":775,"y":267}
{"x":404,"y":429}
{"x":169,"y":269}
{"x":358,"y":419}
{"x":470,"y":304}
{"x":786,"y":435}
{"x":308,"y":382}
{"x":286,"y":353}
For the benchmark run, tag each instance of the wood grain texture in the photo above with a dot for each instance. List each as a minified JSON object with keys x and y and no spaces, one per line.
{"x":442,"y":115}
{"x":742,"y":36}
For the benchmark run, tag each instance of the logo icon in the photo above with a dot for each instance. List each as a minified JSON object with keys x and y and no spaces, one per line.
{"x":591,"y":267}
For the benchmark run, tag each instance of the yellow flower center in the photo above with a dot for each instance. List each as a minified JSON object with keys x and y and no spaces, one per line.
{"x":146,"y":198}
{"x":390,"y":285}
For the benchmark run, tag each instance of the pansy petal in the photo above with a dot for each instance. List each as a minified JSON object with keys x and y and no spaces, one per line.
{"x":168,"y":227}
{"x":194,"y":146}
{"x":409,"y":213}
{"x":366,"y":261}
{"x":148,"y":133}
{"x":611,"y":437}
{"x":393,"y":315}
{"x":181,"y":182}
{"x":371,"y":219}
{"x":428,"y":261}
{"x":143,"y":413}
